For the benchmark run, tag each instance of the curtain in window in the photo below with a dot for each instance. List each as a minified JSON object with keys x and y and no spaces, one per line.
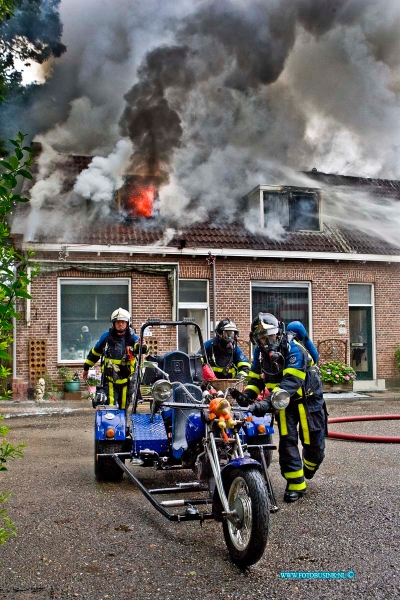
{"x":286,"y":303}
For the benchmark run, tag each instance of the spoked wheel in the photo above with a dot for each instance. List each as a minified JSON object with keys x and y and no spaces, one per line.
{"x":106,"y":469}
{"x":247,"y":496}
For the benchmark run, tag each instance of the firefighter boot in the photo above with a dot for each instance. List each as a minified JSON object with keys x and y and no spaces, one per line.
{"x":293,"y":495}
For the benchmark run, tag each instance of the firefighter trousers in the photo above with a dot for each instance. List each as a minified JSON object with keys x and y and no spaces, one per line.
{"x":307,"y":421}
{"x":117,"y":393}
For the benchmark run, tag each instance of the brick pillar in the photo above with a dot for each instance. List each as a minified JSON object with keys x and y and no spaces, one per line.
{"x":19,"y":389}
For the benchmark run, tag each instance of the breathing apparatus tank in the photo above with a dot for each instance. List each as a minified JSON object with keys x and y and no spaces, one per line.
{"x":300,"y":331}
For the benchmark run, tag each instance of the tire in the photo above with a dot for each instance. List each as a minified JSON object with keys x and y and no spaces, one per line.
{"x":106,"y":469}
{"x":246,"y":492}
{"x":255,"y":453}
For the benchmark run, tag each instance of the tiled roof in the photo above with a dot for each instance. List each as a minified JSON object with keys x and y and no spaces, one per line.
{"x":149,"y":232}
{"x":234,"y":236}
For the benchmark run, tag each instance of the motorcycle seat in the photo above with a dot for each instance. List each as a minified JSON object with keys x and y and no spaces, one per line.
{"x":177,"y":365}
{"x":180,"y":417}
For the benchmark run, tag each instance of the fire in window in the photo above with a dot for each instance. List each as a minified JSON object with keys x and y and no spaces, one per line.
{"x":138,"y":196}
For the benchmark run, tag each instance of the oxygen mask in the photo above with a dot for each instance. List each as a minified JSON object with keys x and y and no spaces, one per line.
{"x":274,"y":361}
{"x":228,"y":339}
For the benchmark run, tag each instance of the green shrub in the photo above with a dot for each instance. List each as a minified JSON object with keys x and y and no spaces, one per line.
{"x":334,"y":371}
{"x":397,"y":357}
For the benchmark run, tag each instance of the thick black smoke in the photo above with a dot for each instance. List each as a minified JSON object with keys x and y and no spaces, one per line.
{"x":148,"y":120}
{"x":245,"y":44}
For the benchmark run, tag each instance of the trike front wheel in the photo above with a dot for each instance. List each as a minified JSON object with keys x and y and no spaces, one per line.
{"x":247,"y":537}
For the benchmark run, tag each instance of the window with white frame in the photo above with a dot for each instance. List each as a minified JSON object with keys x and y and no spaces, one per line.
{"x":85,"y":307}
{"x":193,"y":303}
{"x":287,"y":301}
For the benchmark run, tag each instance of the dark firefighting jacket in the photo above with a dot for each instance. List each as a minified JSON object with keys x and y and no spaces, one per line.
{"x":227,"y":363}
{"x":299,"y":377}
{"x":118,"y":362}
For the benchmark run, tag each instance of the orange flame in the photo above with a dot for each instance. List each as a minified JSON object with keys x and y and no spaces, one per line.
{"x":140,"y":201}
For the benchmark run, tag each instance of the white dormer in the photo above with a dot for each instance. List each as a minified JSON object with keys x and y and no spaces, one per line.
{"x":296,"y":208}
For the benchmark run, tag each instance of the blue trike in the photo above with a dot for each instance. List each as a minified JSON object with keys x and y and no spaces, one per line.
{"x":172,"y":427}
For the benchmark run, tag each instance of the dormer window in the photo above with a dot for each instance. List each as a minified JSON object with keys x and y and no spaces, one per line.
{"x":296,"y":209}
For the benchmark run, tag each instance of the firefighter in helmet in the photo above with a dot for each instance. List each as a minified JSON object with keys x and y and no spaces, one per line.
{"x":225,"y":357}
{"x":117,"y":348}
{"x":282,"y":362}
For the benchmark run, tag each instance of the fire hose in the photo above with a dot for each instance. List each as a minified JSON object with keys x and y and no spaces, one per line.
{"x":388,"y":439}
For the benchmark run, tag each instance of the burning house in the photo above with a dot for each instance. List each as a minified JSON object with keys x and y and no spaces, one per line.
{"x":176,"y":177}
{"x":341,"y":282}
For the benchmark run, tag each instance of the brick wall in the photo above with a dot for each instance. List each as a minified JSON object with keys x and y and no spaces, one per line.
{"x":150,"y":298}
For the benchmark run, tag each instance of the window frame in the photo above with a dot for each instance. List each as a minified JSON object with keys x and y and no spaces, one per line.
{"x":286,"y":284}
{"x":257,"y":196}
{"x":120,"y":281}
{"x":198,"y":305}
{"x":373,"y":331}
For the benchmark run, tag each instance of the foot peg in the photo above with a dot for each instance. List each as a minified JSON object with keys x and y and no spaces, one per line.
{"x":191,"y":510}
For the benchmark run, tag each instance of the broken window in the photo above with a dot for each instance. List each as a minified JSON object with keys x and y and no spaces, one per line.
{"x":296,"y":210}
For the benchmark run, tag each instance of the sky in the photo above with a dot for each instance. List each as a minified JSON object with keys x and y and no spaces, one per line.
{"x":217,"y":97}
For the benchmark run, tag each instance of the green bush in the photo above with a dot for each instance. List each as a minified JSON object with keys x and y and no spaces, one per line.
{"x":397,"y":357}
{"x":334,"y":371}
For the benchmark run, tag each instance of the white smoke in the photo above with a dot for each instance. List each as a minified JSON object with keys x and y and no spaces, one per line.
{"x":267,"y":89}
{"x":104,"y":176}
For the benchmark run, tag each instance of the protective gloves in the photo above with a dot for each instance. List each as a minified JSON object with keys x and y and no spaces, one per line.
{"x":240,"y":398}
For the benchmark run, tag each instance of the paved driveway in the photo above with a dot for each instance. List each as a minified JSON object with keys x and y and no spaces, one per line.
{"x":80,"y":539}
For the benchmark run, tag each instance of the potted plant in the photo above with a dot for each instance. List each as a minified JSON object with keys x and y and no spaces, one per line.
{"x":70,"y":379}
{"x":337,"y":376}
{"x":92,"y":381}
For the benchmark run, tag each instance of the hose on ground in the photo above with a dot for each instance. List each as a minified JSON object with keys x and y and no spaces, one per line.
{"x":387,"y":439}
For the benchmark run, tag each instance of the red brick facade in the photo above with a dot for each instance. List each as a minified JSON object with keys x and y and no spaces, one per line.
{"x":150,"y":298}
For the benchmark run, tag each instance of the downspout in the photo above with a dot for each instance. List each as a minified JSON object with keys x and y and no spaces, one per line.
{"x":211,"y":261}
{"x":175,"y":295}
{"x":28,"y":300}
{"x":14,"y":326}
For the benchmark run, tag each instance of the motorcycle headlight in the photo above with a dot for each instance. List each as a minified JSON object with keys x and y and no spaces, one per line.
{"x":280,"y":399}
{"x":162,"y":390}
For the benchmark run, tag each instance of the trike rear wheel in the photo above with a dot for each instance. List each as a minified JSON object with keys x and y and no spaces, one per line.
{"x":247,"y":495}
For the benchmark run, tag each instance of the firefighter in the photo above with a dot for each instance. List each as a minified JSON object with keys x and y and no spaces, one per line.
{"x":282,"y":362}
{"x":226,"y":358}
{"x":117,"y":348}
{"x":84,"y":340}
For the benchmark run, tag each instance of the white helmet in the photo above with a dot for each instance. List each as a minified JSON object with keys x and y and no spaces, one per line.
{"x":120,"y":315}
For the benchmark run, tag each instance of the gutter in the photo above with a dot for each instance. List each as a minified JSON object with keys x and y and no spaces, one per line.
{"x":221,"y":252}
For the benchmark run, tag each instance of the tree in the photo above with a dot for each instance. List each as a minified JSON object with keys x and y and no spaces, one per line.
{"x":30,"y":30}
{"x":6,"y":9}
{"x":14,"y":279}
{"x":13,"y":284}
{"x":33,"y":34}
